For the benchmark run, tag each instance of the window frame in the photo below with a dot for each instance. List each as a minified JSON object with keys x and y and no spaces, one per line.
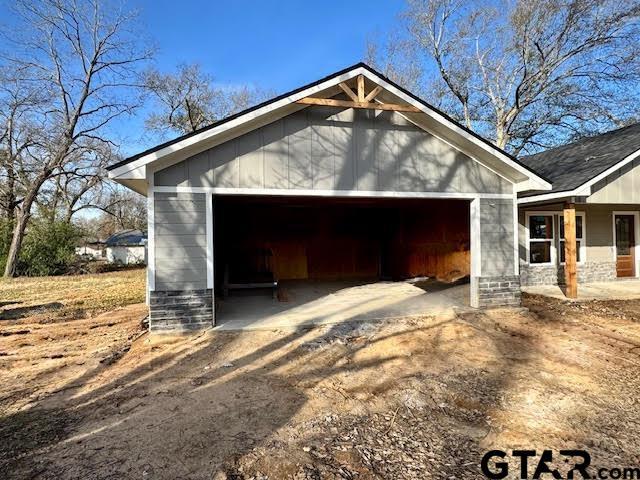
{"x":552,"y":240}
{"x":583,"y":246}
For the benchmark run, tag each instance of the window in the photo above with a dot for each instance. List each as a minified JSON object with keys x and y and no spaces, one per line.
{"x":579,"y":236}
{"x":541,"y":238}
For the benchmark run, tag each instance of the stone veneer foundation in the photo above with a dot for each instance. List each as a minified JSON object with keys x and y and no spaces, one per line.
{"x":180,"y":310}
{"x":503,"y":291}
{"x":588,"y":272}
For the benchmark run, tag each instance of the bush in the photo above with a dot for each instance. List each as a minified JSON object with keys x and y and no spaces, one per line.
{"x":48,"y":248}
{"x":104,"y":267}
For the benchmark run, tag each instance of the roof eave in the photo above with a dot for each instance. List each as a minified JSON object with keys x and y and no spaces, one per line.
{"x":584,"y":190}
{"x":134,"y":168}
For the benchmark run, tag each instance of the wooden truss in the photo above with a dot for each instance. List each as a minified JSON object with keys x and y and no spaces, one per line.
{"x":359,"y":99}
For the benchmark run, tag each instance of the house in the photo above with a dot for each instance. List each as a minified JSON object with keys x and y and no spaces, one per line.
{"x":596,"y":181}
{"x":93,"y":248}
{"x":127,"y":247}
{"x":351,"y":176}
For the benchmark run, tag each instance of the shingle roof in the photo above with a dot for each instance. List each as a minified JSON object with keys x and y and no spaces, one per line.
{"x":574,"y":164}
{"x":127,"y":238}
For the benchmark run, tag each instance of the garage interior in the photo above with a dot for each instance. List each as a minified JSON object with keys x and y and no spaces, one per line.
{"x":337,"y":259}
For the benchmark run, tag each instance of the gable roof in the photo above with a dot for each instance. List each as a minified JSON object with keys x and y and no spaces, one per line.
{"x":572,"y":166}
{"x":126,"y":238}
{"x":173,"y":147}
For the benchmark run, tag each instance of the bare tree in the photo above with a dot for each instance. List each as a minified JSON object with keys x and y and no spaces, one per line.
{"x":188,"y":100}
{"x":526,"y":73}
{"x":83,"y":185}
{"x":121,"y":209}
{"x":17,"y":133}
{"x":84,"y":58}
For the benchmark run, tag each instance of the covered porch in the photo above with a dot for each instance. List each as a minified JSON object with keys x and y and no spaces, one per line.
{"x":586,"y":230}
{"x":575,"y":244}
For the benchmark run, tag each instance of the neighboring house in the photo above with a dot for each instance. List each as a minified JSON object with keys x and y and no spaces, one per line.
{"x":92,"y":248}
{"x":349,"y":177}
{"x":597,"y":179}
{"x":127,"y":247}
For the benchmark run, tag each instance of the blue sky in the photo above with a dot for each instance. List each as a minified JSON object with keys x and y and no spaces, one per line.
{"x":274,"y":45}
{"x":277,"y":45}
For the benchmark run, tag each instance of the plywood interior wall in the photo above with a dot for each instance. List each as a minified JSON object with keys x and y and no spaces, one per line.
{"x":326,"y":239}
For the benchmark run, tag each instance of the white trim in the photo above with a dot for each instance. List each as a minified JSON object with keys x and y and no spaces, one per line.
{"x":211,"y":255}
{"x":636,"y":222}
{"x":329,"y":193}
{"x":476,"y":251}
{"x":583,"y":190}
{"x":209,"y":234}
{"x":516,"y":240}
{"x":546,"y":196}
{"x":476,"y":238}
{"x":546,"y":213}
{"x":291,"y":99}
{"x":583,"y":239}
{"x":151,"y":242}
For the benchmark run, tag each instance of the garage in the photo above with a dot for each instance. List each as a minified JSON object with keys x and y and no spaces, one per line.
{"x":328,"y":254}
{"x":348,"y":192}
{"x":342,"y":239}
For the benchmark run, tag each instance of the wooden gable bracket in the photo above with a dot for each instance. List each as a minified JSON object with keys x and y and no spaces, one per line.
{"x":359,"y":99}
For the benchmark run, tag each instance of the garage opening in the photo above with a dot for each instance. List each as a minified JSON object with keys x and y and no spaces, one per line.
{"x":388,"y":257}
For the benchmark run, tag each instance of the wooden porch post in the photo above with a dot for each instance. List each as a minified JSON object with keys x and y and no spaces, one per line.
{"x":570,"y":251}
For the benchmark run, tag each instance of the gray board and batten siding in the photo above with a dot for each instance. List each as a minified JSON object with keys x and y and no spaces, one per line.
{"x":319,"y":148}
{"x":181,"y":299}
{"x":497,"y":237}
{"x":499,"y":283}
{"x":180,"y":241}
{"x":622,"y":186}
{"x":315,"y":150}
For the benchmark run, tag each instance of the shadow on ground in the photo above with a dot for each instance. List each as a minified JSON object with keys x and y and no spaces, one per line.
{"x":17,"y":313}
{"x":397,"y":399}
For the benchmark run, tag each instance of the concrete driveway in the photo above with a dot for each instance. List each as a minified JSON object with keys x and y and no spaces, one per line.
{"x":321,"y":302}
{"x":617,"y":290}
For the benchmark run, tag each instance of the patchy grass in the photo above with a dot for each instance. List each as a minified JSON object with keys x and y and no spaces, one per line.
{"x":52,"y":299}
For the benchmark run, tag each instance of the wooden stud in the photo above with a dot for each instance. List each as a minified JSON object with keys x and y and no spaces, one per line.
{"x":361,"y":88}
{"x":373,"y":94}
{"x":570,"y":251}
{"x":347,"y":104}
{"x":347,"y":89}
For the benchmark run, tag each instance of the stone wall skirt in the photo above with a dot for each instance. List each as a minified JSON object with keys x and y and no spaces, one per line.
{"x":503,"y":291}
{"x":588,"y":272}
{"x":180,"y":310}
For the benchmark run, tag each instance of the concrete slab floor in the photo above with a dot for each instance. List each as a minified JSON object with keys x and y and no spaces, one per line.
{"x":320,"y":303}
{"x":617,"y":290}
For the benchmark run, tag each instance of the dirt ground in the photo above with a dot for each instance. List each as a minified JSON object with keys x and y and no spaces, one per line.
{"x":411,"y":398}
